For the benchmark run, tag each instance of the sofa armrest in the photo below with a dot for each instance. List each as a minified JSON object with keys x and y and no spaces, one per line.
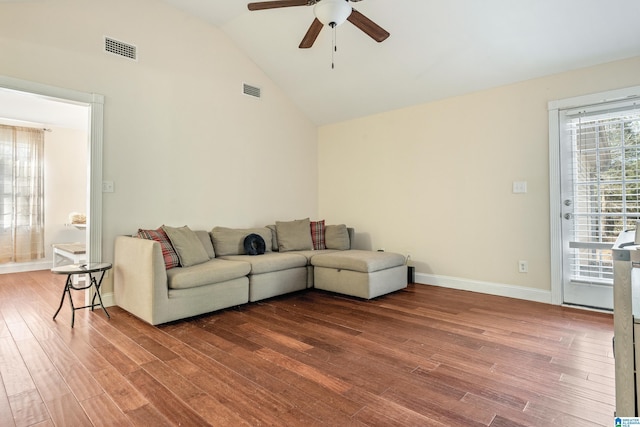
{"x":140,"y":278}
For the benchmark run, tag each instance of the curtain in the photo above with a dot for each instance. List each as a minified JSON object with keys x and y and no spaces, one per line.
{"x":21,"y":194}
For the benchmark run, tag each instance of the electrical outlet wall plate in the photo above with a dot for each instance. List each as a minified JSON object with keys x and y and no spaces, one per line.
{"x":523,"y":266}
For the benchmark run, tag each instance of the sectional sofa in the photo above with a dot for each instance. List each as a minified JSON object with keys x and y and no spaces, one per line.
{"x":172,"y":273}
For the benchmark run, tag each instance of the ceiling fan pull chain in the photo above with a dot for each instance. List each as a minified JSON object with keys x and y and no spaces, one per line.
{"x":334,"y":47}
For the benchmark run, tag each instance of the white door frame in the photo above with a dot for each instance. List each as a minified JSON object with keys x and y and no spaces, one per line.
{"x":555,"y":202}
{"x":95,"y":103}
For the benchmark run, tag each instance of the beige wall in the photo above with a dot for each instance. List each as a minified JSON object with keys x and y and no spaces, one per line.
{"x":65,"y":171}
{"x":182,"y":144}
{"x":435,"y":180}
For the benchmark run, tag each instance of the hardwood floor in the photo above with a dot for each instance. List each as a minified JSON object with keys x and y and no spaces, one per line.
{"x":423,"y":356}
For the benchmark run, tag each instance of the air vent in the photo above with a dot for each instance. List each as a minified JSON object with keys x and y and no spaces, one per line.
{"x":251,"y":90}
{"x":121,"y":49}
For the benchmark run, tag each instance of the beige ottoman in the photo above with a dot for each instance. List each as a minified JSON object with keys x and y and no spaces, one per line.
{"x":363,"y":274}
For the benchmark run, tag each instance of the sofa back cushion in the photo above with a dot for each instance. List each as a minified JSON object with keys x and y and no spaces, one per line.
{"x":230,"y":241}
{"x":274,"y":237}
{"x":338,"y":240}
{"x":187,"y":244}
{"x":294,"y":235}
{"x":205,"y":239}
{"x":337,"y":237}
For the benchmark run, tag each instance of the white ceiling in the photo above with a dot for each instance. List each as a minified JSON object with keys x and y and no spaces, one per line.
{"x":26,"y":109}
{"x":437,"y":48}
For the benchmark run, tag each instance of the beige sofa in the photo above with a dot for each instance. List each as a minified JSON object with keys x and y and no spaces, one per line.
{"x":216,"y":273}
{"x":144,"y":287}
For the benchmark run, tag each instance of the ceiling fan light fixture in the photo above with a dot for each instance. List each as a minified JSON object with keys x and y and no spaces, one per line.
{"x":332,"y":12}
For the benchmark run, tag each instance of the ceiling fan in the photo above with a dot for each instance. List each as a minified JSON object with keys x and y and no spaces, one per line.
{"x":327,"y":12}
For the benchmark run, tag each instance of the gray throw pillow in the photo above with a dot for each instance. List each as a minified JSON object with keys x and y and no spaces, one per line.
{"x":337,"y":237}
{"x":294,"y":235}
{"x":187,"y":244}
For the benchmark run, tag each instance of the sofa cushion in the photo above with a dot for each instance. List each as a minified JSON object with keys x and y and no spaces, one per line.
{"x":230,"y":241}
{"x":187,"y":245}
{"x":294,"y":235}
{"x":169,"y":254}
{"x":274,"y":237}
{"x":337,"y":237}
{"x":356,"y":260}
{"x":205,"y":239}
{"x":206,"y":273}
{"x":270,"y":261}
{"x":311,"y":253}
{"x":317,"y":235}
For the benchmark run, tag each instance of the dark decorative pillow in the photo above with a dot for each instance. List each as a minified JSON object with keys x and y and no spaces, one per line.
{"x":317,"y":235}
{"x":169,"y":254}
{"x":254,"y":244}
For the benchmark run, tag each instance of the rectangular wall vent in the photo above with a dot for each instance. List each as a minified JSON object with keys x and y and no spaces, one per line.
{"x":120,"y":48}
{"x":251,"y":90}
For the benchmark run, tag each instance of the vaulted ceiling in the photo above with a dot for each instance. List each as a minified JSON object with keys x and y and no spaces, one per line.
{"x":437,"y":48}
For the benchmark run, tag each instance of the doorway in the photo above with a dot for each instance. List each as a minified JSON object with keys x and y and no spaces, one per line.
{"x":94,"y":104}
{"x":598,"y":191}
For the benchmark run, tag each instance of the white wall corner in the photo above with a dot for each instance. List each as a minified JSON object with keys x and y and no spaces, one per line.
{"x":108,"y":299}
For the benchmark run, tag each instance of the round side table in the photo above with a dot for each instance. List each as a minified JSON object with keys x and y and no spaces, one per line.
{"x":91,"y":270}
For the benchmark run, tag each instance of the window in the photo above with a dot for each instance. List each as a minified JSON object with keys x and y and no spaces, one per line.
{"x":21,"y":194}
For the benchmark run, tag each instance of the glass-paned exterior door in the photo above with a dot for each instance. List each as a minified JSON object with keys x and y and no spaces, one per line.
{"x":600,"y":174}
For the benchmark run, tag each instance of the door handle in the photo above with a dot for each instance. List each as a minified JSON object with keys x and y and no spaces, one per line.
{"x":567,"y":216}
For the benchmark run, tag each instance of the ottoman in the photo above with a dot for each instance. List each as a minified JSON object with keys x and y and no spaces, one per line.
{"x":364,"y":274}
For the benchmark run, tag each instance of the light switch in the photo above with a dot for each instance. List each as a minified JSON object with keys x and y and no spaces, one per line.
{"x":107,"y":186}
{"x":519,"y":186}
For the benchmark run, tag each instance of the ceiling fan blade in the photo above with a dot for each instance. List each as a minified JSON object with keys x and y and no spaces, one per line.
{"x":369,"y":27}
{"x":312,"y":34}
{"x":275,"y":4}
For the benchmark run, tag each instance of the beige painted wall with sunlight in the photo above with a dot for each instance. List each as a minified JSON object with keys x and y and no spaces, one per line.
{"x":435,"y":180}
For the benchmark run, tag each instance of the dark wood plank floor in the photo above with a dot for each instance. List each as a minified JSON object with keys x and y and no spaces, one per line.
{"x":424,"y":356}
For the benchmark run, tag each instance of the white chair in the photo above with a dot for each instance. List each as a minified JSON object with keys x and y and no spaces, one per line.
{"x":69,"y":253}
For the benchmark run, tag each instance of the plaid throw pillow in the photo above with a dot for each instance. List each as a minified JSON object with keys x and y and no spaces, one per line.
{"x":169,"y":254}
{"x":317,"y":234}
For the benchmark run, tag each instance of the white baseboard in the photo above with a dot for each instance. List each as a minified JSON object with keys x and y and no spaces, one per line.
{"x":511,"y":291}
{"x":107,"y":299}
{"x":21,"y":267}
